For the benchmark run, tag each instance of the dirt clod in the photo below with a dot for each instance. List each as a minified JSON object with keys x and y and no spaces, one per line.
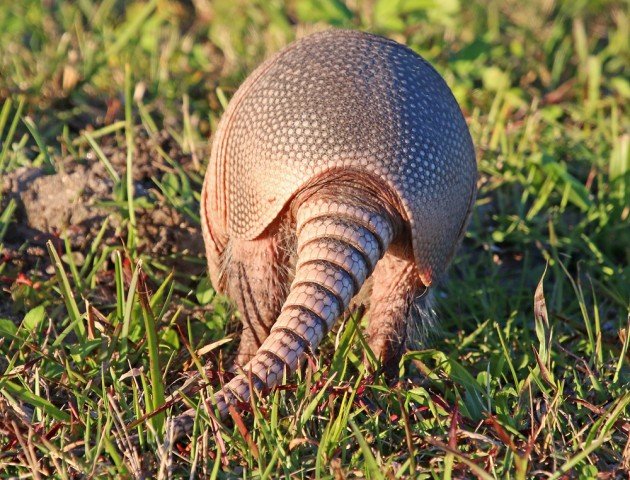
{"x":74,"y":201}
{"x":64,"y":201}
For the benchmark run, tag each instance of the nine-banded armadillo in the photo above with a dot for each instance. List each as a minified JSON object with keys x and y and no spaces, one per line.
{"x":349,"y":150}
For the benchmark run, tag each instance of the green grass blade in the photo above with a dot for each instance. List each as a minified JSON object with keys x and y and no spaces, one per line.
{"x":7,"y":141}
{"x":66,"y":291}
{"x":129,"y":136}
{"x":30,"y":124}
{"x":5,"y":218}
{"x":373,"y":469}
{"x":37,"y":401}
{"x":129,"y":306}
{"x":102,"y":157}
{"x":152,"y":344}
{"x":4,"y":114}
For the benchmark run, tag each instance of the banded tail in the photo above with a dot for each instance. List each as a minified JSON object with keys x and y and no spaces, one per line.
{"x":340,"y":238}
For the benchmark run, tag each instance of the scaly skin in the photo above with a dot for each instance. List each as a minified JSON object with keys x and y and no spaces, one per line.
{"x":340,"y":150}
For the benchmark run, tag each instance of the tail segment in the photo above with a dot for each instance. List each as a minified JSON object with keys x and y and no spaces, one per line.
{"x":340,"y":240}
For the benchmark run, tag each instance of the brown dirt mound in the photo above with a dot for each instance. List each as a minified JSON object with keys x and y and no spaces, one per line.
{"x":75,"y":201}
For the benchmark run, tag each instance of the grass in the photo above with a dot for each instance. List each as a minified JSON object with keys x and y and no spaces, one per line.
{"x":529,"y":376}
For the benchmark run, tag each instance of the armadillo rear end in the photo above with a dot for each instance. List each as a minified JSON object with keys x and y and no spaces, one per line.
{"x":355,"y":145}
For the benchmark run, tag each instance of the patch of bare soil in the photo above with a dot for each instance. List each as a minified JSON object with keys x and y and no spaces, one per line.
{"x":75,"y":201}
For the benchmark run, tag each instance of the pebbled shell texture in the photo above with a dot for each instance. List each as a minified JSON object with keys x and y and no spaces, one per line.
{"x":344,"y":100}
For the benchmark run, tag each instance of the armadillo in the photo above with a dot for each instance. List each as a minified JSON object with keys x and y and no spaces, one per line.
{"x":343,"y":156}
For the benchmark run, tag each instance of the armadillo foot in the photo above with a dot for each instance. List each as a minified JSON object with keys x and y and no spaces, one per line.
{"x":396,"y":285}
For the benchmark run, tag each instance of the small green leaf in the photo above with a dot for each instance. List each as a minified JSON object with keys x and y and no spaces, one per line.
{"x":170,"y":338}
{"x":495,"y":79}
{"x":7,"y":327}
{"x":621,"y":85}
{"x":34,"y":317}
{"x":205,"y":293}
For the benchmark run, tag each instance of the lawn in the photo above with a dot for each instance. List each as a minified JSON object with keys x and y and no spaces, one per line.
{"x":106,"y":111}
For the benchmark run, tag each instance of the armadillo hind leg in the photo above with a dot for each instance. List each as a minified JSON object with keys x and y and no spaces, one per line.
{"x":396,"y":286}
{"x":341,"y":235}
{"x":257,"y":279}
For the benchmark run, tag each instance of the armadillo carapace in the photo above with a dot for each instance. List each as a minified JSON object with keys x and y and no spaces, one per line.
{"x":343,"y":156}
